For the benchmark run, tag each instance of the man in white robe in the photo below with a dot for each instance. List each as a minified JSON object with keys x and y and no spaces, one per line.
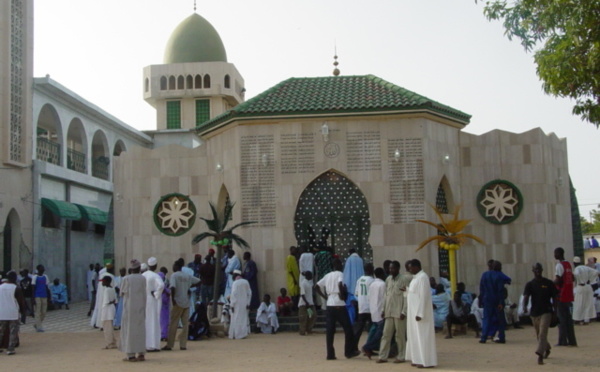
{"x":266,"y":316}
{"x":154,"y":289}
{"x":233,"y":263}
{"x":420,"y":345}
{"x":583,"y":306}
{"x":240,"y":297}
{"x":96,"y":321}
{"x":133,"y":321}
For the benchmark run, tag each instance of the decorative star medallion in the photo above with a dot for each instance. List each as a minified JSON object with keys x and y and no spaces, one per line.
{"x":499,"y":202}
{"x":174,"y":214}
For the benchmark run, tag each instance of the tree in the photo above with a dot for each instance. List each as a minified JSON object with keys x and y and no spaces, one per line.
{"x":449,"y":236}
{"x":565,"y":35}
{"x":586,"y":226}
{"x":221,"y":237}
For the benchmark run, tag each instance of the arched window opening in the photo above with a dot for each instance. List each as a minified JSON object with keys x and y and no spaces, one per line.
{"x":163,"y":83}
{"x":180,"y":82}
{"x":206,"y":81}
{"x":171,"y":82}
{"x":198,"y":82}
{"x":146,"y":85}
{"x":227,"y":82}
{"x":189,"y":82}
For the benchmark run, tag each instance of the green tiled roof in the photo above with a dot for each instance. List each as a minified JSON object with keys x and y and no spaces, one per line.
{"x":335,"y":94}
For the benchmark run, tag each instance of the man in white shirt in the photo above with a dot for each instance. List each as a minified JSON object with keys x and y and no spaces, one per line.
{"x":361,"y":292}
{"x":332,"y":285}
{"x":154,"y":288}
{"x":583,"y":306}
{"x":306,"y":261}
{"x":376,"y":301}
{"x":307,"y":315}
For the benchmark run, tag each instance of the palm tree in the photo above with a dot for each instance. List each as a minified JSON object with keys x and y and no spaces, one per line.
{"x":449,"y":237}
{"x":220,"y":237}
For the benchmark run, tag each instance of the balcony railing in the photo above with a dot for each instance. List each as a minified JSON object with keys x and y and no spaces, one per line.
{"x":76,"y":161}
{"x":100,"y":167}
{"x":48,"y":151}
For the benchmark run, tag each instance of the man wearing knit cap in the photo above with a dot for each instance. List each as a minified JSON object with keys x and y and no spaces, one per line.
{"x":154,"y":289}
{"x":133,"y":321}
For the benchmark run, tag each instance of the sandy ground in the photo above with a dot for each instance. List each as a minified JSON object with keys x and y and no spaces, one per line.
{"x":291,"y":352}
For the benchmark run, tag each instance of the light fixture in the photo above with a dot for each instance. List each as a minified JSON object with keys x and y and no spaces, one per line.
{"x":265,"y":160}
{"x":446,"y":159}
{"x":219,"y":167}
{"x":397,"y":154}
{"x":325,"y":132}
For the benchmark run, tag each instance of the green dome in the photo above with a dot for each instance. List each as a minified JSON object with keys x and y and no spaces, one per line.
{"x":195,"y":40}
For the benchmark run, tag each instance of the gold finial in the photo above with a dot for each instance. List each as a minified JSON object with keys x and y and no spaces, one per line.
{"x":336,"y":71}
{"x":194,"y":6}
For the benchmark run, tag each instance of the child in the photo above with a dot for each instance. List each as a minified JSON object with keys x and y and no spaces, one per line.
{"x":107,"y":313}
{"x":306,"y":308}
{"x":284,"y":303}
{"x":266,"y":317}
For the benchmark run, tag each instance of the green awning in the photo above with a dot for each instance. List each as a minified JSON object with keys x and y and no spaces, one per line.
{"x":95,"y":215}
{"x":62,"y":209}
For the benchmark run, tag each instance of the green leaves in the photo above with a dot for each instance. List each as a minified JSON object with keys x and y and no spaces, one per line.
{"x":565,"y":35}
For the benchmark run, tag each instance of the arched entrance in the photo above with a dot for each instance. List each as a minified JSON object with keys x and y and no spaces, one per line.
{"x":334,"y":202}
{"x":11,"y":242}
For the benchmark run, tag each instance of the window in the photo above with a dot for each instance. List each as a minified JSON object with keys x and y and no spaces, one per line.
{"x":227,"y":82}
{"x":49,"y":219}
{"x":206,"y":81}
{"x":172,"y":82}
{"x":173,"y":114}
{"x":198,"y":82}
{"x":180,"y":82}
{"x":99,"y":229}
{"x":80,"y":225}
{"x":163,"y":83}
{"x":189,"y":82}
{"x":202,"y":111}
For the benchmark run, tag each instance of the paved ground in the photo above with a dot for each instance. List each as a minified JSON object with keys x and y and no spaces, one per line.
{"x":64,"y":321}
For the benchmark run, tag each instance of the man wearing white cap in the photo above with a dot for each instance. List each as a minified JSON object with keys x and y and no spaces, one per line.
{"x":133,"y":327}
{"x":583,"y":306}
{"x":241,"y":294}
{"x":154,"y":289}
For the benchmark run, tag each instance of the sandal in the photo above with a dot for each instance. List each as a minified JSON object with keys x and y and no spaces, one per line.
{"x":141,"y":358}
{"x":130,"y":359}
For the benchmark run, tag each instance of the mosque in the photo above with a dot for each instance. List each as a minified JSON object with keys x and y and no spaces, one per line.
{"x":357,"y":155}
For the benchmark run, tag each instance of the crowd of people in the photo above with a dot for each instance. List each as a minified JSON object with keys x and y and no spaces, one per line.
{"x":400,"y":311}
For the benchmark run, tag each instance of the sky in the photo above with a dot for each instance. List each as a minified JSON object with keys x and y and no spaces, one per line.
{"x":443,"y":49}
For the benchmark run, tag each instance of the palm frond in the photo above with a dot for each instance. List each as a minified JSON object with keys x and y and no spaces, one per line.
{"x":200,"y":237}
{"x":239,"y":241}
{"x":212,"y":225}
{"x":227,"y":211}
{"x":238,"y":225}
{"x":470,"y":236}
{"x":429,"y":240}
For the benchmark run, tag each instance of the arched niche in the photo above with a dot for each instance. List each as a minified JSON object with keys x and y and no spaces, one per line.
{"x":100,"y":156}
{"x":11,"y":235}
{"x":49,"y":135}
{"x":77,"y":146}
{"x":332,"y":201}
{"x":444,"y":202}
{"x":119,"y":148}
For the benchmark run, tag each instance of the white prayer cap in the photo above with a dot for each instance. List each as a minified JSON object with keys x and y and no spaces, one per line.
{"x":144,"y":267}
{"x":237,"y":272}
{"x":152,"y":261}
{"x":576,"y":259}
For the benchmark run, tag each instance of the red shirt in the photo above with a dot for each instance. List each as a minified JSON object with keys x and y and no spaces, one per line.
{"x":565,"y":289}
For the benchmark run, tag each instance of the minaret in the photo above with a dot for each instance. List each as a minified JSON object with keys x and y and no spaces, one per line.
{"x":195,"y":83}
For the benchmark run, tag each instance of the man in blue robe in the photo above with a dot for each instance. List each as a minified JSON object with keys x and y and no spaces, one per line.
{"x":491,"y":298}
{"x":249,"y":273}
{"x":353,"y":270}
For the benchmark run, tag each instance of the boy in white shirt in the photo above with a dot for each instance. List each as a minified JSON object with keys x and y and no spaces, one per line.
{"x":107,"y":313}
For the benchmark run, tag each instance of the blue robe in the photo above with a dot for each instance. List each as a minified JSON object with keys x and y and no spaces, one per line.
{"x":353,"y":270}
{"x":442,"y":307}
{"x":250,"y":272}
{"x":491,"y":295}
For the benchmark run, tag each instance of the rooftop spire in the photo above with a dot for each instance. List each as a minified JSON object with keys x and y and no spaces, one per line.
{"x":336,"y":71}
{"x":194,"y":6}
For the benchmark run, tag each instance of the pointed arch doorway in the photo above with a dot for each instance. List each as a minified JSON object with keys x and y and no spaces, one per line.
{"x":11,"y":242}
{"x":334,"y":202}
{"x":444,"y":202}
